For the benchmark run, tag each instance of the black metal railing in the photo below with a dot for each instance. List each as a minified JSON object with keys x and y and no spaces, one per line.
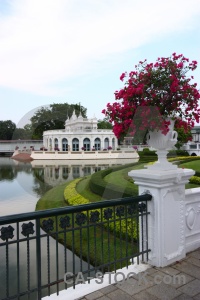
{"x":47,"y":251}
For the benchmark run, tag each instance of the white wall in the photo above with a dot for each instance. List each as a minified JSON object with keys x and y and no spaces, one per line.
{"x":192,"y":219}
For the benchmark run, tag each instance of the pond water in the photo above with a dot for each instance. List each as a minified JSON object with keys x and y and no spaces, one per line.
{"x":23,"y":183}
{"x":21,"y":186}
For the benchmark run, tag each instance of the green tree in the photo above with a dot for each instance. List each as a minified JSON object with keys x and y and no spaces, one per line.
{"x":7,"y":129}
{"x":23,"y":133}
{"x":54,"y":117}
{"x":183,"y":137}
{"x":104,"y":124}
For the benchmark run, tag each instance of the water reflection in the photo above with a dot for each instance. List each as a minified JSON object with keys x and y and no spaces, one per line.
{"x":23,"y":183}
{"x":7,"y":173}
{"x":55,"y":175}
{"x":56,"y":172}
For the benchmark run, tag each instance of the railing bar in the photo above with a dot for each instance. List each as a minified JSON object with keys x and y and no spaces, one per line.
{"x":48,"y":265}
{"x":7,"y":271}
{"x":120,"y":222}
{"x":132,"y":230}
{"x":81,"y":248}
{"x":88,"y":246}
{"x":115,"y":242}
{"x":28,"y":265}
{"x":108,"y":236}
{"x":102,"y":237}
{"x":18,"y":264}
{"x":21,"y":240}
{"x":147,"y":233}
{"x":38,"y":253}
{"x":57,"y":258}
{"x":126,"y":220}
{"x":73,"y":252}
{"x":142,"y":231}
{"x":65,"y":254}
{"x":95,"y":247}
{"x":71,"y":209}
{"x":138,"y":235}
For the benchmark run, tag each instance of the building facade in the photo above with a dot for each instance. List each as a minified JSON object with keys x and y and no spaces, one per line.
{"x":79,"y":134}
{"x":196,"y":134}
{"x":193,"y":147}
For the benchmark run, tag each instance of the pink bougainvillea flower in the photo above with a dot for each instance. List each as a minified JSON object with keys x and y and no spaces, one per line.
{"x":162,"y":85}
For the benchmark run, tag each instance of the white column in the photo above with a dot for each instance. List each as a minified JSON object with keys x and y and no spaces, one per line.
{"x":166,"y":230}
{"x":91,"y":142}
{"x":60,"y":143}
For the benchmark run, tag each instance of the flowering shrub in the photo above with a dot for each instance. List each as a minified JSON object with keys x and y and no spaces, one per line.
{"x":154,"y":92}
{"x":56,"y":149}
{"x":83,"y":148}
{"x":109,"y":148}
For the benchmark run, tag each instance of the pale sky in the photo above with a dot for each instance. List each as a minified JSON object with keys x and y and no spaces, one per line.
{"x":57,"y":51}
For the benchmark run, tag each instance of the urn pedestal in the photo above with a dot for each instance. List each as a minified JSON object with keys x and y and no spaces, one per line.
{"x":162,"y":143}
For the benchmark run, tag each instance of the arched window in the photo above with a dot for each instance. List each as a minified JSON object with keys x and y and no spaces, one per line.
{"x":64,"y":144}
{"x":86,"y":144}
{"x":75,"y":144}
{"x":97,"y":144}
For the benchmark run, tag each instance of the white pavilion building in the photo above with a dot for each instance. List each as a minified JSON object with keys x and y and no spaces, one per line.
{"x":79,"y":134}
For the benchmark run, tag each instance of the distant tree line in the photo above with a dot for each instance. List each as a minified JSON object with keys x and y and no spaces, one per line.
{"x":7,"y":129}
{"x":50,"y":118}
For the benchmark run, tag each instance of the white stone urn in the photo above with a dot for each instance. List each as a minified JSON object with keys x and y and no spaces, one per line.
{"x":162,"y":143}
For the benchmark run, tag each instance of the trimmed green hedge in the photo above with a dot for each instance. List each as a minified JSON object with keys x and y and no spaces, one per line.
{"x":147,"y":152}
{"x":176,"y":153}
{"x":123,"y":227}
{"x":182,"y":159}
{"x":195,"y":180}
{"x":72,"y":196}
{"x":107,"y":190}
{"x":147,"y":155}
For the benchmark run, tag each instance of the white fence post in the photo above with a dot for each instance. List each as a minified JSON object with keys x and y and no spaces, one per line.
{"x":166,"y":222}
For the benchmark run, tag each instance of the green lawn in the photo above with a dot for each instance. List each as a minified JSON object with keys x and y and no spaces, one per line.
{"x":121,"y":178}
{"x":195,"y":165}
{"x":54,"y":198}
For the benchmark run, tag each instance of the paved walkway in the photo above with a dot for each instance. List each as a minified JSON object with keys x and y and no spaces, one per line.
{"x":180,"y":281}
